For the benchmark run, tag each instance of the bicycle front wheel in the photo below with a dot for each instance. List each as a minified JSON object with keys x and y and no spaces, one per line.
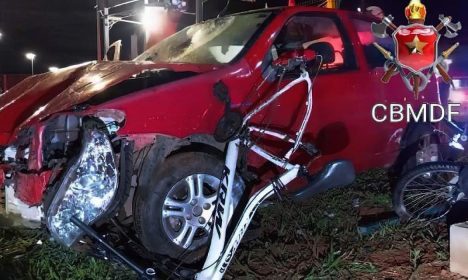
{"x":428,"y":191}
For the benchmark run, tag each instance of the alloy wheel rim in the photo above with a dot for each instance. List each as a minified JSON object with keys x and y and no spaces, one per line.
{"x":188,"y":208}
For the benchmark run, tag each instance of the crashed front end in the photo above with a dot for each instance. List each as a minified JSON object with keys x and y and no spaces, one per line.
{"x":66,"y":167}
{"x":22,"y":179}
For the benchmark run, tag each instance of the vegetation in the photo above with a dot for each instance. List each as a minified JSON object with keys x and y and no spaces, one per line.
{"x":29,"y":254}
{"x":319,"y":240}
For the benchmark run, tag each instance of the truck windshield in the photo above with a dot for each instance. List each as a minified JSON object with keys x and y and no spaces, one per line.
{"x":217,"y":41}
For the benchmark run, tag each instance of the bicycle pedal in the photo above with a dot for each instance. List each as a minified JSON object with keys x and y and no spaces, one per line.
{"x":310,"y":149}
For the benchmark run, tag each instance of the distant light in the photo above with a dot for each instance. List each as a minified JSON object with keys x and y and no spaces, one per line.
{"x":152,"y":18}
{"x":359,"y":9}
{"x":1,"y":35}
{"x":30,"y":56}
{"x":53,"y":69}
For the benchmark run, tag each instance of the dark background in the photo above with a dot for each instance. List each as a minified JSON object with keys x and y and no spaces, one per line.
{"x":63,"y":32}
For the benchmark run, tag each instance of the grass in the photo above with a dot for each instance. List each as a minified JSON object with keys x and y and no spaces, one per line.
{"x":320,"y":240}
{"x":29,"y":254}
{"x":415,"y":257}
{"x":314,"y":241}
{"x":363,"y":267}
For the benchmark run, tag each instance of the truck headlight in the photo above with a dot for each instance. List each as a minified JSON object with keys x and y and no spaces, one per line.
{"x":87,"y":188}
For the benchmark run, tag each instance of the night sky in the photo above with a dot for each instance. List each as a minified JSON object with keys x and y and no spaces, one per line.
{"x":59,"y":32}
{"x":63,"y":32}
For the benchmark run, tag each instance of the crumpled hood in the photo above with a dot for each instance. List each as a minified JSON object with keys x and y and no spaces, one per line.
{"x":41,"y":95}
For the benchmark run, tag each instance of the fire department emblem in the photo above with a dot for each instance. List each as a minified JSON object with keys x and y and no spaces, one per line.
{"x":416,"y":46}
{"x":416,"y":52}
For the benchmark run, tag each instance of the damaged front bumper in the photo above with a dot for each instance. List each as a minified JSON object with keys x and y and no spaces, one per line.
{"x":72,"y":165}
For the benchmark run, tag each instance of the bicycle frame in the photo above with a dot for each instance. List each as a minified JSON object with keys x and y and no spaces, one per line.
{"x":221,"y":253}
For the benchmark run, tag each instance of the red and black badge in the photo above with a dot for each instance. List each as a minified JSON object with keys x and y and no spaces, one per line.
{"x":416,"y":47}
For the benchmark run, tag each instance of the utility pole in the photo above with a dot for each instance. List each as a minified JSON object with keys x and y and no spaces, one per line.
{"x":199,"y":11}
{"x":98,"y":32}
{"x":106,"y":29}
{"x":106,"y":18}
{"x":103,"y":28}
{"x":5,"y":85}
{"x":334,"y":4}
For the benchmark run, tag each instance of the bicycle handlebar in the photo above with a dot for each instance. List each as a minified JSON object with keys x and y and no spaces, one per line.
{"x":289,"y":61}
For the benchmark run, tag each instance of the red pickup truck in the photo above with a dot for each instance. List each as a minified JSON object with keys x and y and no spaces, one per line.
{"x":159,"y":113}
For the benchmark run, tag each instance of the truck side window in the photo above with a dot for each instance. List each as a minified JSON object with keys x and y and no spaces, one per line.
{"x":373,"y":56}
{"x":302,"y":32}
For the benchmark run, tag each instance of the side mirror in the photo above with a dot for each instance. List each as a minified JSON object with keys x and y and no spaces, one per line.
{"x":325,"y":50}
{"x":113,"y":53}
{"x":291,"y":59}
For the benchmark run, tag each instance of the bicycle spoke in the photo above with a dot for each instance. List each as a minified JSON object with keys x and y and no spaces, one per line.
{"x":416,"y":203}
{"x":417,"y":195}
{"x":427,"y":204}
{"x":430,"y":194}
{"x":420,"y":198}
{"x":446,"y":207}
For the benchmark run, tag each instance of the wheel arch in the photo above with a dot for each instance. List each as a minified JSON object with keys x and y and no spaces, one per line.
{"x":165,"y":146}
{"x":201,"y":143}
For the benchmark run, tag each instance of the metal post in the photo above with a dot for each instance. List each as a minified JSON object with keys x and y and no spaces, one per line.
{"x":199,"y":11}
{"x":331,"y":4}
{"x":133,"y":46}
{"x":32,"y":66}
{"x":98,"y":32}
{"x":106,"y":30}
{"x":4,"y":84}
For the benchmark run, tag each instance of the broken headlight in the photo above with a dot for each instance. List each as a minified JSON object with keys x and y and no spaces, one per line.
{"x":87,"y":188}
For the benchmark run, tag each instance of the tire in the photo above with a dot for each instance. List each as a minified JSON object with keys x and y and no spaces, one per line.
{"x":164,"y":212}
{"x":432,"y":186}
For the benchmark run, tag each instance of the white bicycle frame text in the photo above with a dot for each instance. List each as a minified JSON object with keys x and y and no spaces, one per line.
{"x":221,"y":252}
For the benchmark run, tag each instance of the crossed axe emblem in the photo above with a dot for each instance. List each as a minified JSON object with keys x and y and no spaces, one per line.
{"x":380,"y":29}
{"x":416,"y":81}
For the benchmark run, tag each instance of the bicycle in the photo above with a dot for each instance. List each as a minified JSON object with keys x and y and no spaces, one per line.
{"x":236,"y":130}
{"x":336,"y":174}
